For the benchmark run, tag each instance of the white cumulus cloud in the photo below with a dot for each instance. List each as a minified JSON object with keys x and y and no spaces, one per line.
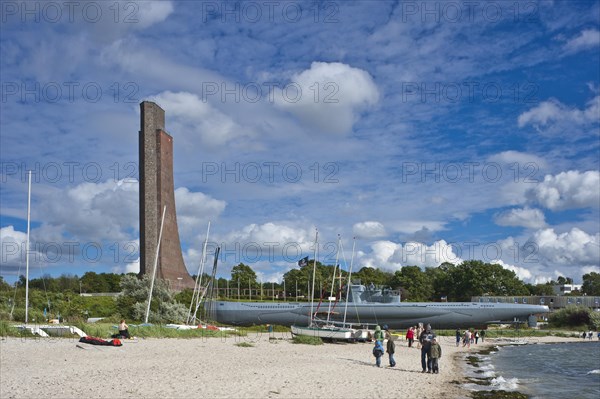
{"x":392,"y":256}
{"x":554,"y":117}
{"x":195,"y":209}
{"x":521,"y":272}
{"x":567,"y":190}
{"x":195,"y":119}
{"x":574,"y":248}
{"x":523,"y":217}
{"x":369,"y":229}
{"x":329,"y":96}
{"x":12,"y":250}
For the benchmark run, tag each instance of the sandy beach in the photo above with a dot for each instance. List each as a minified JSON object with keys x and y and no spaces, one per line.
{"x":219,"y":368}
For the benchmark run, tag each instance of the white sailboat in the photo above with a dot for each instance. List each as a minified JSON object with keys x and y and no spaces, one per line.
{"x":40,"y":329}
{"x":325,"y":329}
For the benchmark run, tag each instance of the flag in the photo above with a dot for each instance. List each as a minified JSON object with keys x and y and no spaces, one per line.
{"x":303,"y":262}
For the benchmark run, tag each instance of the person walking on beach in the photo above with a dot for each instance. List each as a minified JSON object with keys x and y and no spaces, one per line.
{"x":476,"y":337}
{"x":378,"y":352}
{"x":482,"y":335}
{"x":425,"y":340}
{"x":435,"y":352}
{"x":467,"y":339}
{"x":410,"y":336}
{"x":458,"y":336}
{"x":124,"y":329}
{"x":391,"y":346}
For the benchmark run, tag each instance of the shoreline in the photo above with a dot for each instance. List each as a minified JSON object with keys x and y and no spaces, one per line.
{"x":219,"y":367}
{"x":471,"y":363}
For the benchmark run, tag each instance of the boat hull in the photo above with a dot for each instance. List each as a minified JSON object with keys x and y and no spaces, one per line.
{"x":395,"y":315}
{"x":325,"y":332}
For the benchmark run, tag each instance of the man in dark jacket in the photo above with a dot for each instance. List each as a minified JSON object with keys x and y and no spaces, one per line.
{"x":391,"y":345}
{"x":425,"y":339}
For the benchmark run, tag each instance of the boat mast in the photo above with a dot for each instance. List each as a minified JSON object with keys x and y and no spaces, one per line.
{"x":337,"y":257}
{"x":211,"y":286}
{"x":27,"y":249}
{"x":155,"y":264}
{"x":198,"y":284}
{"x":349,"y":279}
{"x":312,"y":291}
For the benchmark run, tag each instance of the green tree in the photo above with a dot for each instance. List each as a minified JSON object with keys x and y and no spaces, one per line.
{"x":564,"y":280}
{"x":92,"y":282}
{"x":591,"y":283}
{"x":303,"y":278}
{"x":417,"y":285}
{"x":440,"y":280}
{"x":4,"y":286}
{"x":298,"y":278}
{"x":476,"y":278}
{"x":540,"y":289}
{"x":244,"y":275}
{"x":68,"y":282}
{"x":368,"y":275}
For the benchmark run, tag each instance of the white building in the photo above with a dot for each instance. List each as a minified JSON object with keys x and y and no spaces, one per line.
{"x":562,"y":289}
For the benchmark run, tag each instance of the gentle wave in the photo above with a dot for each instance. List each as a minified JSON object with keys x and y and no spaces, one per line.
{"x":594,"y":372}
{"x":511,"y":384}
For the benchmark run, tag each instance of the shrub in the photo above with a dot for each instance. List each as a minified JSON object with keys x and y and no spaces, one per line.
{"x":134,"y":301}
{"x":594,"y":320}
{"x":571,"y":316}
{"x":33,"y":316}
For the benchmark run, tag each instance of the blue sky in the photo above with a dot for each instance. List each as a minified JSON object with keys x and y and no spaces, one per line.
{"x":430,"y":131}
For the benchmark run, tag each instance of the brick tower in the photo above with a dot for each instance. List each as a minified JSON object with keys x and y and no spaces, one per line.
{"x":156,"y":191}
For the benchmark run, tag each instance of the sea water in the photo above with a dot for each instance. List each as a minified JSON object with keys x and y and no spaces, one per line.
{"x":565,"y":370}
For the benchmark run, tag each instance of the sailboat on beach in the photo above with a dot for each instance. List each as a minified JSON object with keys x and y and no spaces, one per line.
{"x":328,"y":329}
{"x":43,"y":330}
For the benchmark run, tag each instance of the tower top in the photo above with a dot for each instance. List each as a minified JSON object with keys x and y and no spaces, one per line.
{"x":152,"y":117}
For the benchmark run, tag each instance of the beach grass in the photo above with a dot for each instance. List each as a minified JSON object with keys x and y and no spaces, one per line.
{"x":7,"y":329}
{"x":307,"y":340}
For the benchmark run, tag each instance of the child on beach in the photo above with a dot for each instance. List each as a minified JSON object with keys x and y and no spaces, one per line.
{"x":435,"y":352}
{"x":410,"y":336}
{"x":378,"y":336}
{"x":378,"y":352}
